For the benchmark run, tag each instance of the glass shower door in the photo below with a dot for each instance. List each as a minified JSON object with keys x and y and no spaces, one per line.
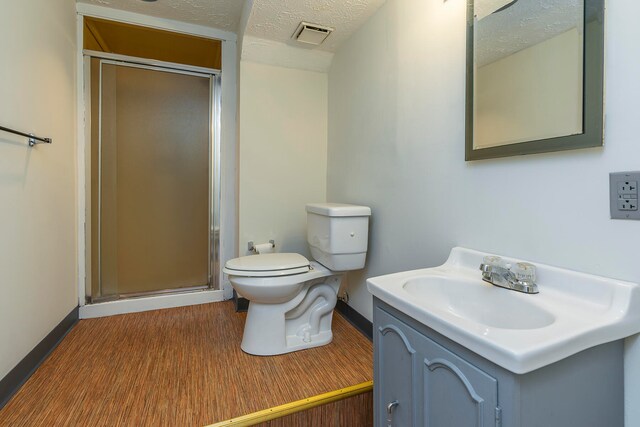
{"x":153,"y":181}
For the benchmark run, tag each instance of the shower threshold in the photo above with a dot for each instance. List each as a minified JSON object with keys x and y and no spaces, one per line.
{"x":145,"y":294}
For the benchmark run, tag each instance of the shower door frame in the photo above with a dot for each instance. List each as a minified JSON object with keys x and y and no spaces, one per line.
{"x":214,"y":77}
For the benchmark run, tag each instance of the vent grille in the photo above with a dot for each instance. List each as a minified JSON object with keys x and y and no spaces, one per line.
{"x":312,"y":34}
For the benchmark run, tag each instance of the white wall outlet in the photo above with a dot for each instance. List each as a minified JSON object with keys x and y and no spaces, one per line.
{"x":623,"y":195}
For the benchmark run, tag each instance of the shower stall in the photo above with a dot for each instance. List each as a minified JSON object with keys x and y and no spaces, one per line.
{"x":153,"y":196}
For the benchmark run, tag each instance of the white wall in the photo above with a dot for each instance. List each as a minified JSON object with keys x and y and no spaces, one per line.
{"x":396,"y":143}
{"x":37,"y":185}
{"x":283,"y":153}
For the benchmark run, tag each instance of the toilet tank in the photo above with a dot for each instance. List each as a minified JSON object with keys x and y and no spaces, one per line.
{"x":338,"y":234}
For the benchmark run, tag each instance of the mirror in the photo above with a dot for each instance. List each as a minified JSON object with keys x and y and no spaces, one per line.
{"x":534,"y":76}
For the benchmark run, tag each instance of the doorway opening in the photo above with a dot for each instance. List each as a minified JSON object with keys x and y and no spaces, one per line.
{"x":153,"y":193}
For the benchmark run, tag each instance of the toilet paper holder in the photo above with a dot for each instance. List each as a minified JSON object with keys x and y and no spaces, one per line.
{"x":252,"y":248}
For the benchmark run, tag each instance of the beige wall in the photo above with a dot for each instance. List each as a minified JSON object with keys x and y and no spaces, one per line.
{"x":549,"y":102}
{"x":37,"y":186}
{"x":283,"y":152}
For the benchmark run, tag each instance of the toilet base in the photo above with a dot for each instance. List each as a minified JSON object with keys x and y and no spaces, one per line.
{"x":294,"y":343}
{"x":301,"y":323}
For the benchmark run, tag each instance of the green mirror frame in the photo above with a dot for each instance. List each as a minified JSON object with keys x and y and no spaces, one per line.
{"x":592,"y":102}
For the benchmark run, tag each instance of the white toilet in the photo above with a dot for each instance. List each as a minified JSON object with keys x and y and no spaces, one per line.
{"x":292,"y":299}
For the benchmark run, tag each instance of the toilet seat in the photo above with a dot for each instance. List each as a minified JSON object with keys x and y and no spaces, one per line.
{"x":268,"y":265}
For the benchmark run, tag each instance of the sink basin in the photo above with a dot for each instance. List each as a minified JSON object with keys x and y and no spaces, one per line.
{"x":468,"y":299}
{"x":520,"y":332}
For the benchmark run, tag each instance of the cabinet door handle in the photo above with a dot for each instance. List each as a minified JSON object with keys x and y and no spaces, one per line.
{"x":390,"y":407}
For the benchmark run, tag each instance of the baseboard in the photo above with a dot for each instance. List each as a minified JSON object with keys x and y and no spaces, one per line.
{"x":12,"y":382}
{"x":356,"y":319}
{"x":241,"y":304}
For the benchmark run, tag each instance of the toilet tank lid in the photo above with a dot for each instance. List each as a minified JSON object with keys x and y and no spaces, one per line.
{"x":268,"y":262}
{"x":338,"y":209}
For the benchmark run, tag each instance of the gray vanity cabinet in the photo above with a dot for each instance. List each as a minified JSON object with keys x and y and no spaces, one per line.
{"x":454,"y":392}
{"x":431,"y":385}
{"x":422,"y":378}
{"x":396,"y":349}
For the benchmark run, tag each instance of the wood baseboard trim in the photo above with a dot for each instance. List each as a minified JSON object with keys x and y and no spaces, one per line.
{"x":297,"y":406}
{"x":12,"y":382}
{"x":356,"y":319}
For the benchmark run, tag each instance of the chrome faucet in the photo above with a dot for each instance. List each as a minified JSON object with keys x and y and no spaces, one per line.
{"x":520,"y":278}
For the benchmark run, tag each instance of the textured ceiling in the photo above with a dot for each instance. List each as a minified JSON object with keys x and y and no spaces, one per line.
{"x":526,"y":23}
{"x":482,"y":8}
{"x":278,"y":19}
{"x":221,"y":14}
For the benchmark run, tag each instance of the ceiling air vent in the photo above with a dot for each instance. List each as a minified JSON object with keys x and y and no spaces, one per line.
{"x":311,"y":33}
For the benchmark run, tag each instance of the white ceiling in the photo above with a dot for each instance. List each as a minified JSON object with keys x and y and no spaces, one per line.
{"x":274,"y":20}
{"x":221,"y":14}
{"x":277,"y":20}
{"x":526,"y":23}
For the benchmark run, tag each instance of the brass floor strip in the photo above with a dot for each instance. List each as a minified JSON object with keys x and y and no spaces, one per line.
{"x":297,"y":406}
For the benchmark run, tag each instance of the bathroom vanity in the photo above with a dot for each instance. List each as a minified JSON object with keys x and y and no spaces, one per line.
{"x":453,"y":350}
{"x":437,"y":382}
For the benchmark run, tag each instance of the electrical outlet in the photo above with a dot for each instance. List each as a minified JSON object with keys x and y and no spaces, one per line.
{"x":623,"y":195}
{"x":628,"y":205}
{"x":627,"y":187}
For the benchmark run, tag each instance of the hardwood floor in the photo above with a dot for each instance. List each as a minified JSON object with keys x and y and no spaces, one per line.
{"x":177,"y":367}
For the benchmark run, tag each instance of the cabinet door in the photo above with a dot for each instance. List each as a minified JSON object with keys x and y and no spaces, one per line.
{"x":454,"y":392}
{"x":395,"y":368}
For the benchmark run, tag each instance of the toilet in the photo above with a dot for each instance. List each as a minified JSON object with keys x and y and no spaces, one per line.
{"x":291,"y":298}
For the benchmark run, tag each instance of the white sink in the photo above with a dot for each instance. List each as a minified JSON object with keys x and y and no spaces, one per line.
{"x":464,"y":298}
{"x":520,"y":332}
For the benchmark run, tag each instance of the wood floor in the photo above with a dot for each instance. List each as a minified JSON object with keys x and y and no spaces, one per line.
{"x":177,"y":367}
{"x":354,"y":411}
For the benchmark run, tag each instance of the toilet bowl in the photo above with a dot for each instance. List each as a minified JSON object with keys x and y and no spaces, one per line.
{"x":291,"y":299}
